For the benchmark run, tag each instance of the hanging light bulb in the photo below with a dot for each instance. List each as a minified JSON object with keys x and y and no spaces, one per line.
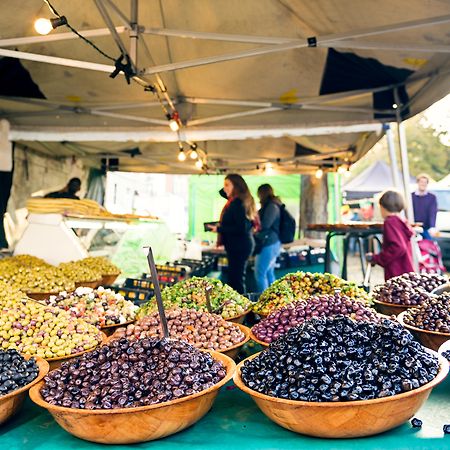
{"x":341,"y":170}
{"x":347,"y":172}
{"x":319,"y":173}
{"x":199,"y":164}
{"x":44,"y":26}
{"x":268,"y":169}
{"x":194,"y":154}
{"x":181,"y":155}
{"x":173,"y":121}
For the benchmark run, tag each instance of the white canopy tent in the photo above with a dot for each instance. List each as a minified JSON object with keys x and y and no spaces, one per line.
{"x":292,"y":83}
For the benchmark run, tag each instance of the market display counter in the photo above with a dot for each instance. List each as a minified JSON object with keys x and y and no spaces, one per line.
{"x":236,"y":422}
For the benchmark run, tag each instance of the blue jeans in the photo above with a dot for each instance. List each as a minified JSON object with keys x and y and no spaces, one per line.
{"x":265,"y":265}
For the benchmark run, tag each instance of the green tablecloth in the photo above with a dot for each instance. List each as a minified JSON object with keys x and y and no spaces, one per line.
{"x":235,"y":422}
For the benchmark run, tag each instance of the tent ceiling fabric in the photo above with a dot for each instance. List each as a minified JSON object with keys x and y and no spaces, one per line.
{"x":244,"y":112}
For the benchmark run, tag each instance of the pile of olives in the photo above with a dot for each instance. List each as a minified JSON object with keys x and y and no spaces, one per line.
{"x":302,"y":285}
{"x":35,"y":329}
{"x":409,"y":289}
{"x":15,"y":371}
{"x":100,"y":307}
{"x":201,"y":329}
{"x":191,"y":294}
{"x":80,"y":273}
{"x":127,"y":374}
{"x":432,"y":315}
{"x":287,"y":317}
{"x":99,"y":264}
{"x":339,"y":359}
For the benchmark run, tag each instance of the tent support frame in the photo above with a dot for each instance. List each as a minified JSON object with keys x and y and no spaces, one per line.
{"x":392,"y":155}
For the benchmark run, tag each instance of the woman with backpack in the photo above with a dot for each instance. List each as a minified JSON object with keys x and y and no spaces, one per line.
{"x":268,"y":243}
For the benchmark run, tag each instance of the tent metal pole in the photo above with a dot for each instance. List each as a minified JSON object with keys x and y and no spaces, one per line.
{"x":56,"y":60}
{"x":294,"y":44}
{"x":121,"y":15}
{"x":12,"y":42}
{"x":405,"y":170}
{"x":283,"y":40}
{"x":392,"y":155}
{"x":134,"y":32}
{"x":394,"y":46}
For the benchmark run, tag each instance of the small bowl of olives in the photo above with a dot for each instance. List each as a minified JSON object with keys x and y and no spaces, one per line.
{"x":22,"y":372}
{"x":110,"y":396}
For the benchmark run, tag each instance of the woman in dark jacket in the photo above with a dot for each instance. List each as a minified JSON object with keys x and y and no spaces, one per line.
{"x":269,"y":217}
{"x":235,"y":229}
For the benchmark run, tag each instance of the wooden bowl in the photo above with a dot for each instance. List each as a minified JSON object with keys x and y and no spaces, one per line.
{"x":390,"y":309}
{"x":133,"y":425}
{"x":238,"y":319}
{"x":107,"y":280}
{"x":55,"y":363}
{"x":441,"y":289}
{"x":109,"y":330}
{"x":254,"y":338}
{"x":444,"y":347}
{"x":11,"y":403}
{"x":343,"y":419}
{"x":91,"y":284}
{"x":430,"y":339}
{"x":39,"y":296}
{"x":232,"y":352}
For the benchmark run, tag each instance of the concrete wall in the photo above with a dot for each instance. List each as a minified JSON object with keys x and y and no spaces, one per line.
{"x":36,"y":174}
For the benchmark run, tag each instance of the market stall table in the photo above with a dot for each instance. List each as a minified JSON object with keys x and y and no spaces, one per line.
{"x":236,"y":422}
{"x":361,"y":231}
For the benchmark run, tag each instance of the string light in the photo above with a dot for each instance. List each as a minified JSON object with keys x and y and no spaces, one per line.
{"x":44,"y":26}
{"x":194,"y":154}
{"x":341,"y":170}
{"x":199,"y":164}
{"x":347,"y":172}
{"x":268,"y":169}
{"x":181,"y":154}
{"x":319,"y":173}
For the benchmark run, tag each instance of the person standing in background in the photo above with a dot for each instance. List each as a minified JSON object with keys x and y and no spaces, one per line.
{"x":235,"y":229}
{"x":267,"y":238}
{"x":425,"y":206}
{"x":69,"y":191}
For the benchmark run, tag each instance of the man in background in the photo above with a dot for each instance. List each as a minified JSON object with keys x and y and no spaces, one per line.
{"x":425,"y":206}
{"x":69,"y":191}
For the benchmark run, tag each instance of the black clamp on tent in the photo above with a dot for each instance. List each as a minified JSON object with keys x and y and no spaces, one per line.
{"x":126,"y":68}
{"x":312,"y":41}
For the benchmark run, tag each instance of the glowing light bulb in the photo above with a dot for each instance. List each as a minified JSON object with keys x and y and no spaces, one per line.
{"x":199,"y":164}
{"x":181,"y":155}
{"x":43,"y":26}
{"x":194,"y":154}
{"x":319,"y":173}
{"x":341,"y":170}
{"x":395,"y":106}
{"x":347,"y":173}
{"x":173,"y":124}
{"x":268,"y":169}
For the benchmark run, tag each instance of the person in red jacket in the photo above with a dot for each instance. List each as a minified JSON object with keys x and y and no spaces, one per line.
{"x":396,"y":253}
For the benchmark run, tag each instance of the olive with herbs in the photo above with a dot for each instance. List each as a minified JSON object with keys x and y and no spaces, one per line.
{"x":432,"y":315}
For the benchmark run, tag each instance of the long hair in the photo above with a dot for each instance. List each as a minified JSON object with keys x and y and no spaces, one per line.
{"x":241,"y":190}
{"x":266,"y":195}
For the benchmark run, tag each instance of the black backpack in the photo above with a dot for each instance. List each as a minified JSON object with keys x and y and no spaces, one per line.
{"x":287,"y":226}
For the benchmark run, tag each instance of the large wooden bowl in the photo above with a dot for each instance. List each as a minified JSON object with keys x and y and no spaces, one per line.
{"x":110,"y":329}
{"x":390,"y":309}
{"x":133,"y":425}
{"x":55,"y":363}
{"x":233,"y":351}
{"x":254,"y":338}
{"x":343,"y":419}
{"x":11,"y":403}
{"x":91,"y":284}
{"x":238,"y":319}
{"x":107,"y":280}
{"x":430,"y":339}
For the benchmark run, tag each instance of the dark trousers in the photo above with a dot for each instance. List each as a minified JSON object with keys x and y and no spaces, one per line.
{"x":238,"y":254}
